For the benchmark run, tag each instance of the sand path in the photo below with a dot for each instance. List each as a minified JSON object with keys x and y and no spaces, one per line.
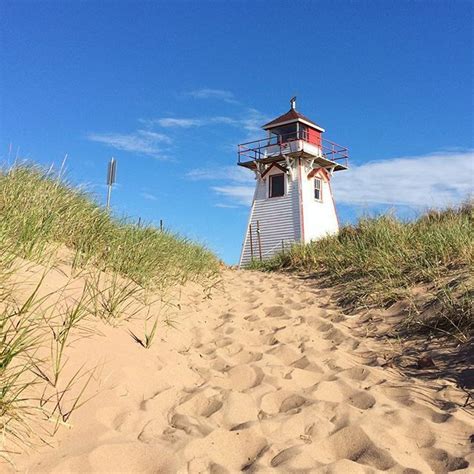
{"x":264,"y":376}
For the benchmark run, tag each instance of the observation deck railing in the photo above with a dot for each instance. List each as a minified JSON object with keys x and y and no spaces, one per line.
{"x":281,"y":144}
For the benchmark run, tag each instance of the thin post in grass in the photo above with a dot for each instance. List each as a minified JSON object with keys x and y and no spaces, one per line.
{"x":251,"y":241}
{"x":161,"y":225}
{"x":259,"y":241}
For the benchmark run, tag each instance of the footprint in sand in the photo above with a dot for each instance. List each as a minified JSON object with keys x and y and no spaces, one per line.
{"x":237,"y":450}
{"x":352,"y":443}
{"x":362,"y":400}
{"x":229,"y":349}
{"x":398,"y":394}
{"x":238,"y":409}
{"x":252,"y":318}
{"x":281,"y":401}
{"x":127,"y":421}
{"x":305,"y":378}
{"x":355,"y":373}
{"x":335,"y":336}
{"x":285,"y":353}
{"x":246,"y":357}
{"x":227,"y":316}
{"x":130,"y":457}
{"x":331,"y":390}
{"x":441,"y":461}
{"x":420,"y":431}
{"x":202,"y":403}
{"x":279,"y":312}
{"x":243,"y":377}
{"x":223,"y":342}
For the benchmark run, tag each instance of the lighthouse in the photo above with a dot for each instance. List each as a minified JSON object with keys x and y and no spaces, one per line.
{"x":293,"y":201}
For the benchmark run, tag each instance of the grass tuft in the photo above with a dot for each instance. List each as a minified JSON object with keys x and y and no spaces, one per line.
{"x":39,"y":209}
{"x":382,"y":260}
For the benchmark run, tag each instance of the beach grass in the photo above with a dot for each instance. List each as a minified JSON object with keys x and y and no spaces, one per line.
{"x":381,"y":260}
{"x":39,"y":209}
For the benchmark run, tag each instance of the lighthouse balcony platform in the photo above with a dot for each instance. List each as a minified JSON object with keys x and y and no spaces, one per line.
{"x":277,"y":148}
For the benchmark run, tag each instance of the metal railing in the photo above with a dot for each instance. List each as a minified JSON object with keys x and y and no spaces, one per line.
{"x":281,"y":144}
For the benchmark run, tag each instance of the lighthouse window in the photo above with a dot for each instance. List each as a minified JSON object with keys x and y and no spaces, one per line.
{"x":277,"y":185}
{"x":318,"y":192}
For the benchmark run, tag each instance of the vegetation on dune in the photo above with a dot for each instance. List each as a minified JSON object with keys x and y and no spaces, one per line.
{"x":117,"y":263}
{"x":382,"y":260}
{"x":38,"y":209}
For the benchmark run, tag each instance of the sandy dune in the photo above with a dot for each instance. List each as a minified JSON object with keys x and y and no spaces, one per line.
{"x":266,"y":376}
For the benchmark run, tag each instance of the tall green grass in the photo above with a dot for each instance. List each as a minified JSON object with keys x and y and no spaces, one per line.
{"x":38,"y":210}
{"x":381,"y":260}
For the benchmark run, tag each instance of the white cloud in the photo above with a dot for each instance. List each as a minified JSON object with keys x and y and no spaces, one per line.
{"x":185,"y":122}
{"x":225,"y":206}
{"x":178,"y":122}
{"x":253,"y":121}
{"x":148,"y":196}
{"x":224,"y":120}
{"x":142,"y":141}
{"x":250,"y":121}
{"x":218,"y":94}
{"x":434,"y":180}
{"x":242,"y":195}
{"x":240,"y":188}
{"x":235,"y":174}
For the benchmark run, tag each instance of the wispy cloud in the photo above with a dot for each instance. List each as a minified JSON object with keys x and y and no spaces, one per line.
{"x":433,"y":180}
{"x":143,"y":142}
{"x":148,"y":196}
{"x":253,"y":120}
{"x":241,"y":195}
{"x":219,"y":173}
{"x":239,"y":187}
{"x":218,"y":94}
{"x":178,"y":122}
{"x":225,"y":206}
{"x":249,"y":120}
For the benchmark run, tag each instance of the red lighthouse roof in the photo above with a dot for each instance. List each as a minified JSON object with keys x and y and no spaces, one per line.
{"x":290,"y":117}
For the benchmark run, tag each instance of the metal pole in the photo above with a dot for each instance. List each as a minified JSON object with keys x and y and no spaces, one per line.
{"x":109,"y":192}
{"x":251,"y":242}
{"x":161,"y":225}
{"x":259,"y":241}
{"x":111,"y":174}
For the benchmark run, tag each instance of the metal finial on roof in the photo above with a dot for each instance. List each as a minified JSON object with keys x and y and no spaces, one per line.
{"x":293,"y":102}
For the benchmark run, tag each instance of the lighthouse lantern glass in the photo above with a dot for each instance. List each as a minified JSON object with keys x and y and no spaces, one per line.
{"x":286,"y":133}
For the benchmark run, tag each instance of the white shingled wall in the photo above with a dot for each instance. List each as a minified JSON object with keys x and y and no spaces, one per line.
{"x":279,"y":218}
{"x":319,"y":217}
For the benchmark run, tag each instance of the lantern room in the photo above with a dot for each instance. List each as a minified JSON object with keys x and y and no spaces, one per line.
{"x":294,"y":126}
{"x":292,"y":135}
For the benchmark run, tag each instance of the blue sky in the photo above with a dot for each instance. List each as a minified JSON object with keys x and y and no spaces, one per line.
{"x":170,"y":88}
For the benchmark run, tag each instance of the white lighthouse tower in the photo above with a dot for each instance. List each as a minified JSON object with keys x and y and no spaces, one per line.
{"x":293,"y":201}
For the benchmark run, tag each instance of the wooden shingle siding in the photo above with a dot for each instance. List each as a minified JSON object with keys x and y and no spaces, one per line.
{"x":278,"y":219}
